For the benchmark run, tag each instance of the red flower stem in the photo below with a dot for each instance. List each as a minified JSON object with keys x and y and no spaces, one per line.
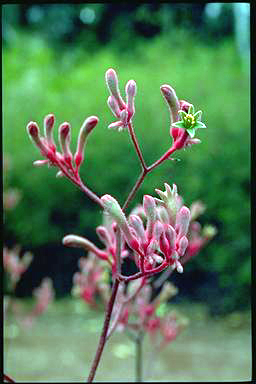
{"x":136,"y":146}
{"x":77,"y":181}
{"x":104,"y":332}
{"x":136,"y":276}
{"x":134,"y":189}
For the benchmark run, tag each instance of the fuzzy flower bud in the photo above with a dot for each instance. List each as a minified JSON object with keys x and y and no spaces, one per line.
{"x":149,"y":206}
{"x":170,"y":235}
{"x":34,"y":134}
{"x":130,"y":90}
{"x":172,"y":101}
{"x":182,"y":221}
{"x":64,"y":139}
{"x":81,"y":242}
{"x":112,"y":83}
{"x":183,"y":243}
{"x":48,"y":130}
{"x":113,"y":105}
{"x":112,"y":207}
{"x":137,"y":224}
{"x":85,"y":130}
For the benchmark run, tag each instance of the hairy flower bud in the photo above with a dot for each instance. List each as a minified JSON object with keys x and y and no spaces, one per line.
{"x":48,"y":130}
{"x":64,"y":140}
{"x":81,"y":242}
{"x":112,"y":83}
{"x":130,"y":90}
{"x":183,"y":243}
{"x":170,"y":235}
{"x":85,"y":130}
{"x":34,"y":134}
{"x":113,"y":105}
{"x":149,"y":206}
{"x":172,"y":101}
{"x":137,"y":224}
{"x":182,"y":221}
{"x":112,"y":207}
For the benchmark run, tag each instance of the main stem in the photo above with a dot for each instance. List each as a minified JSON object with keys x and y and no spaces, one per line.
{"x":104,"y":332}
{"x":138,"y":358}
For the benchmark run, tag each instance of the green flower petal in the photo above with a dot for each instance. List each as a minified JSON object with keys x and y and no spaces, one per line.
{"x":179,"y":124}
{"x":191,"y":132}
{"x":191,"y":110}
{"x":199,"y":124}
{"x":182,"y":114}
{"x":198,"y":115}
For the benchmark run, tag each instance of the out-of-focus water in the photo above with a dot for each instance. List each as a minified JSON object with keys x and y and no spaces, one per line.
{"x":61,"y":344}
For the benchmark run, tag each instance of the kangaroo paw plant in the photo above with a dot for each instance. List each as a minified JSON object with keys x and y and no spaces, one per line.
{"x":158,"y":236}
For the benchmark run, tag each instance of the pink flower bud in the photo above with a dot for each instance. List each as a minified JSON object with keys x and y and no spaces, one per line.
{"x":170,"y":235}
{"x":40,"y":163}
{"x":112,"y":207}
{"x":124,"y":117}
{"x":34,"y":134}
{"x":183,"y":243}
{"x":86,"y":128}
{"x":182,"y":221}
{"x":104,"y":235}
{"x":112,"y":83}
{"x":137,"y":224}
{"x":64,"y":140}
{"x":172,"y":101}
{"x":48,"y":130}
{"x":114,"y":106}
{"x":130,"y":90}
{"x":81,"y":242}
{"x":158,"y":230}
{"x":184,"y":105}
{"x":164,"y":245}
{"x":149,"y":206}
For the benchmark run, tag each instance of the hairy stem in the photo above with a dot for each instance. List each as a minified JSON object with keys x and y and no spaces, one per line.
{"x":136,"y":146}
{"x":102,"y":340}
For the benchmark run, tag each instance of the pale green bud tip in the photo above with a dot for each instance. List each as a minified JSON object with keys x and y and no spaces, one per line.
{"x":73,"y":241}
{"x":33,"y":129}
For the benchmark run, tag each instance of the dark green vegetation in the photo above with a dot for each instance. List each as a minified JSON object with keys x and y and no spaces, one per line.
{"x":38,"y":80}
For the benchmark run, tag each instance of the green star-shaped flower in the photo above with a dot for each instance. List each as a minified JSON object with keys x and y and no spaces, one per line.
{"x":190,"y":121}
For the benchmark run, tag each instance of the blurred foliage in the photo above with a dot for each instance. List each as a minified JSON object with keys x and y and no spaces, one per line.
{"x":39,"y":79}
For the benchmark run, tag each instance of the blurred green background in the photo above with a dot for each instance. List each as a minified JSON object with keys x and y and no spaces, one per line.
{"x":54,"y":61}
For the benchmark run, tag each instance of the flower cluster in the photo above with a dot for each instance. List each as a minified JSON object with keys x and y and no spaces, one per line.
{"x":91,"y":281}
{"x":123,"y":111}
{"x":15,"y":265}
{"x":135,"y":311}
{"x":65,"y":161}
{"x":162,"y":240}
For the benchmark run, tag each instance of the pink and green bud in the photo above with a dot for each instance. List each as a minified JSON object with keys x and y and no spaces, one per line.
{"x":85,"y":130}
{"x":130,"y":90}
{"x":170,"y":235}
{"x":149,"y":206}
{"x":124,"y":117}
{"x":183,"y":243}
{"x":113,"y":105}
{"x":158,"y":230}
{"x":81,"y":242}
{"x":34,"y":134}
{"x":48,"y":130}
{"x":164,"y":244}
{"x":64,"y":140}
{"x":112,"y":83}
{"x":182,"y":221}
{"x":104,"y":235}
{"x":137,"y":224}
{"x":112,"y":207}
{"x":172,"y":101}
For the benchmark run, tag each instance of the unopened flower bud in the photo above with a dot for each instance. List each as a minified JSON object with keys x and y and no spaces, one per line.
{"x":48,"y":130}
{"x":149,"y":206}
{"x":183,"y":243}
{"x":137,"y":224}
{"x":182,"y":221}
{"x":196,"y":209}
{"x":113,"y":105}
{"x":103,"y":235}
{"x":40,"y":163}
{"x":124,"y":117}
{"x":34,"y":134}
{"x":184,"y":105}
{"x":81,"y":242}
{"x":64,"y":140}
{"x":130,"y":90}
{"x":170,"y":235}
{"x":86,"y":128}
{"x":172,"y":101}
{"x":164,"y":245}
{"x":158,"y":230}
{"x":112,"y":83}
{"x":179,"y":267}
{"x":112,"y":207}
